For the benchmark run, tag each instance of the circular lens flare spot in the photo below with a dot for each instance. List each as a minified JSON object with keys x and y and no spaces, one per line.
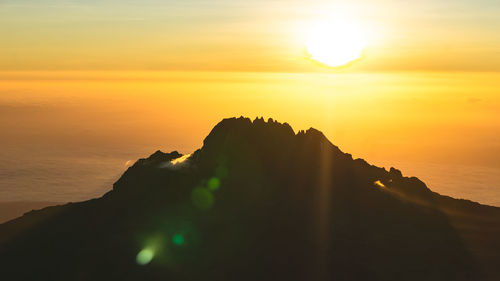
{"x":202,"y":198}
{"x":178,"y":239}
{"x":213,"y":183}
{"x":144,"y":256}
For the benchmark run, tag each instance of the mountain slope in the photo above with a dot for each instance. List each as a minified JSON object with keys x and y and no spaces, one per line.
{"x":257,"y":202}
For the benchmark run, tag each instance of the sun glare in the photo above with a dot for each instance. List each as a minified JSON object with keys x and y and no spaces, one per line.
{"x":335,"y":42}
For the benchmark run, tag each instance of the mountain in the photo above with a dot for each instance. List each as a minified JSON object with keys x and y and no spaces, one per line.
{"x":257,"y":202}
{"x":10,"y":210}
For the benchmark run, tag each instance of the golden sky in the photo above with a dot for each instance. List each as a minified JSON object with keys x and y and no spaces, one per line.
{"x":428,"y":35}
{"x":131,"y":76}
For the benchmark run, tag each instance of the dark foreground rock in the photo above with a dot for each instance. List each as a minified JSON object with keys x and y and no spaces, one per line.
{"x":257,"y":202}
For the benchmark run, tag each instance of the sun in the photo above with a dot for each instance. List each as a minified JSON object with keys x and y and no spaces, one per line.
{"x":335,"y":43}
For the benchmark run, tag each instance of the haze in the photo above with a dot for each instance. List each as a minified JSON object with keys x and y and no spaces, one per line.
{"x":87,"y":87}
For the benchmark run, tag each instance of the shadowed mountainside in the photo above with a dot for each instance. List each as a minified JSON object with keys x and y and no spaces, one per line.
{"x":11,"y":210}
{"x":257,"y":202}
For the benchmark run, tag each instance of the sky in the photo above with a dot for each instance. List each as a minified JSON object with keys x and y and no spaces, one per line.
{"x":238,"y":35}
{"x":87,"y":87}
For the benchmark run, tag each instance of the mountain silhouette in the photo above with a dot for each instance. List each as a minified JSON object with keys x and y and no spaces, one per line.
{"x":257,"y":202}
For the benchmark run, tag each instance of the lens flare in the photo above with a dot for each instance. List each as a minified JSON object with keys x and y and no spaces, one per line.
{"x":202,"y":198}
{"x":145,"y":256}
{"x":178,"y":239}
{"x":213,"y":183}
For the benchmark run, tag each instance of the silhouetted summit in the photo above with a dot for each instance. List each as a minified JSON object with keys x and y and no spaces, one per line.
{"x":257,"y":202}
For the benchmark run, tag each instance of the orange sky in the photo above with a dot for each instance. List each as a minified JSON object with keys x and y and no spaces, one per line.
{"x":418,"y":115}
{"x":160,"y":74}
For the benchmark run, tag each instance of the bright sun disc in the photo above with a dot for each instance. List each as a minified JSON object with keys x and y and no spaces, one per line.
{"x":335,"y":43}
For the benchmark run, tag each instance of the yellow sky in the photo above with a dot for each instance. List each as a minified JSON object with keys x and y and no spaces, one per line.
{"x":252,"y":36}
{"x":157,"y":74}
